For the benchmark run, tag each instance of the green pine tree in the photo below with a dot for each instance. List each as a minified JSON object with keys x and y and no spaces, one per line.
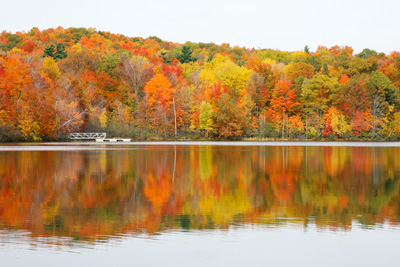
{"x":164,"y":57}
{"x":186,"y":55}
{"x":49,"y":51}
{"x":61,"y":52}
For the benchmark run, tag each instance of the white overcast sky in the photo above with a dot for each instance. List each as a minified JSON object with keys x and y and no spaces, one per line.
{"x":278,"y":24}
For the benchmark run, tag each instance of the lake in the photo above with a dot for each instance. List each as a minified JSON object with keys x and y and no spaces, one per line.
{"x":200,"y":204}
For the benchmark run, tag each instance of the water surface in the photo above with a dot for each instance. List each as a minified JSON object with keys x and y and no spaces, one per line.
{"x":202,"y":204}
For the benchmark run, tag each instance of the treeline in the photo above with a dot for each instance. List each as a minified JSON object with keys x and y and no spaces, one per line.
{"x":57,"y":81}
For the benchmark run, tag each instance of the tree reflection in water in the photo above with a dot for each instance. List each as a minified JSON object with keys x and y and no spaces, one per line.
{"x":89,"y":195}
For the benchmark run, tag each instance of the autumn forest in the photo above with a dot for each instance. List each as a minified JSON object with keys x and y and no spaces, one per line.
{"x":57,"y":81}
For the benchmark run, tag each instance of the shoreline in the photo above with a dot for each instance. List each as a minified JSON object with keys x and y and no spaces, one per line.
{"x":75,"y":146}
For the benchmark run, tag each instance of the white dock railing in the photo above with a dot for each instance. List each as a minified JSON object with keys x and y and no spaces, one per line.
{"x":87,"y":135}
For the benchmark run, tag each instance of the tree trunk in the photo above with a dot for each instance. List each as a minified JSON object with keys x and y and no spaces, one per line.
{"x":307,"y":122}
{"x":71,"y":120}
{"x":176,"y":130}
{"x":287,"y":125}
{"x":374,"y":118}
{"x":283,"y":125}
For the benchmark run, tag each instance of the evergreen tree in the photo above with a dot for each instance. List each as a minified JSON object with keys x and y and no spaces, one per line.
{"x":164,"y":57}
{"x":186,"y":55}
{"x":367,"y":53}
{"x":49,"y":51}
{"x":61,"y":52}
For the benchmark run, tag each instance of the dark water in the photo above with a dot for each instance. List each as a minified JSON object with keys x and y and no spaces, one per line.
{"x":199,"y":205}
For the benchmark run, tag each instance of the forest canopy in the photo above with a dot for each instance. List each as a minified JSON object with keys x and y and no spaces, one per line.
{"x":57,"y":81}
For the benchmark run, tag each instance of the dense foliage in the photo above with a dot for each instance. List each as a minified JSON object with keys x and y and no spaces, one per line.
{"x":57,"y":81}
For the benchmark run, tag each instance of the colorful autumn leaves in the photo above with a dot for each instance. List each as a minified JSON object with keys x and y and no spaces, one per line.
{"x":153,"y":89}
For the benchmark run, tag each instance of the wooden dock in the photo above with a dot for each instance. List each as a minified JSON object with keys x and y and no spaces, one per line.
{"x":113,"y":140}
{"x":99,"y":137}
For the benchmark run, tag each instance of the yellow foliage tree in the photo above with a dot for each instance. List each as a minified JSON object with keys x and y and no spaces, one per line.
{"x":338,"y":121}
{"x":295,"y":70}
{"x":28,"y":126}
{"x":222,"y":69}
{"x":50,"y":68}
{"x":103,"y":118}
{"x":190,"y":68}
